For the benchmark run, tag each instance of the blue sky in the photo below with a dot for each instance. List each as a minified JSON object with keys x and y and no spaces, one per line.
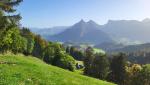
{"x":49,"y":13}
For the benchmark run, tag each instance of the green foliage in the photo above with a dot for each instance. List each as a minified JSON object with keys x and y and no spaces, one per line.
{"x":19,"y":44}
{"x":6,"y":39}
{"x":24,"y":41}
{"x":64,"y":61}
{"x":30,"y":40}
{"x":39,"y":46}
{"x":100,"y":66}
{"x":96,"y":65}
{"x":144,"y":76}
{"x":11,"y":40}
{"x":68,"y":49}
{"x":49,"y":54}
{"x":118,"y":69}
{"x":75,"y":53}
{"x":8,"y":5}
{"x":138,"y":75}
{"x":133,"y":73}
{"x":30,"y":45}
{"x":88,"y":60}
{"x":8,"y":24}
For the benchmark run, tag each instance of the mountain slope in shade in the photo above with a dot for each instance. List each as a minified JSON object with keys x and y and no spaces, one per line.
{"x":128,"y":32}
{"x":131,"y":30}
{"x":134,"y":48}
{"x":109,"y":46}
{"x":83,"y":32}
{"x":113,"y":47}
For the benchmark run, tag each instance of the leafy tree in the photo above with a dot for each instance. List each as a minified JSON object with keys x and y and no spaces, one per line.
{"x":7,"y":22}
{"x":118,"y":70}
{"x":96,"y":65}
{"x":75,"y":53}
{"x":132,"y":74}
{"x":6,"y":40}
{"x":100,"y":66}
{"x":144,"y":76}
{"x":30,"y":40}
{"x":68,"y":49}
{"x":19,"y":44}
{"x":64,"y":61}
{"x":49,"y":52}
{"x":72,"y":50}
{"x":89,"y":57}
{"x":39,"y":46}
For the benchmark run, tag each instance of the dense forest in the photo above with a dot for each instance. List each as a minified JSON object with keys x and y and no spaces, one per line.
{"x":20,"y":40}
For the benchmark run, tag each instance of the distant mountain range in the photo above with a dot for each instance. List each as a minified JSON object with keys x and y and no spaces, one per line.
{"x":126,"y":32}
{"x":82,"y":32}
{"x":45,"y":32}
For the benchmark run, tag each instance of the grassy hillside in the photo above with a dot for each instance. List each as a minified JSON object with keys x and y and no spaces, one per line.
{"x":25,"y":70}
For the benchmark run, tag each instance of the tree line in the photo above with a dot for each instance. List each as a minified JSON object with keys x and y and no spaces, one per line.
{"x":16,"y":39}
{"x":115,"y":68}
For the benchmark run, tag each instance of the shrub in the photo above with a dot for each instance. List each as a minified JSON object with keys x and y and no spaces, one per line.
{"x":65,"y":61}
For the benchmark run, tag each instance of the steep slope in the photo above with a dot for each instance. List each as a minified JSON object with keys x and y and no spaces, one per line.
{"x":25,"y":70}
{"x":83,"y":32}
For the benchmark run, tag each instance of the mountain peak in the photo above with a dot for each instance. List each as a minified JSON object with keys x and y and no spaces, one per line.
{"x":82,"y":21}
{"x":146,"y":20}
{"x":83,"y":32}
{"x":91,"y":22}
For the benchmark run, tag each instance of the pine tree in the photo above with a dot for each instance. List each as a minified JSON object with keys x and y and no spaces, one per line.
{"x":89,"y":57}
{"x":100,"y":66}
{"x":118,"y":74}
{"x":8,"y":22}
{"x":7,"y":6}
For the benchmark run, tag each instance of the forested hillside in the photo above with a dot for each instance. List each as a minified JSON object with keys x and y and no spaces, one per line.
{"x":27,"y":58}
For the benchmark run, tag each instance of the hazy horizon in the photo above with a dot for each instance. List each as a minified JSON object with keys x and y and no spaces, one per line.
{"x":52,"y":13}
{"x":87,"y":21}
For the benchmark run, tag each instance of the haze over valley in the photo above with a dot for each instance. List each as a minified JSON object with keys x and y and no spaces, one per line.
{"x":127,"y":32}
{"x":74,"y":42}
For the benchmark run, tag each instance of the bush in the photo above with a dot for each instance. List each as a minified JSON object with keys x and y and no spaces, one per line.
{"x":65,"y":61}
{"x":48,"y":54}
{"x":144,"y":76}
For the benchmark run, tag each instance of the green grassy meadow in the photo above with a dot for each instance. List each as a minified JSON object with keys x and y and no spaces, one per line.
{"x":26,"y":70}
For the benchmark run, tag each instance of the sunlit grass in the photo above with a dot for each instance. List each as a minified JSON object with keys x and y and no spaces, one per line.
{"x":26,"y":70}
